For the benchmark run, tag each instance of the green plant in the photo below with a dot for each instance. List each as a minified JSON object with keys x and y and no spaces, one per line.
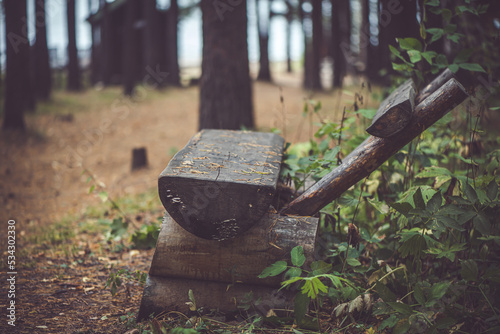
{"x":309,"y":283}
{"x":415,"y":56}
{"x":116,"y":279}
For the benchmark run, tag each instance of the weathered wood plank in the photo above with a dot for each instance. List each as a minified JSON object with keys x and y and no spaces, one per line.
{"x":163,"y":294}
{"x":394,"y":113}
{"x":222,"y":182}
{"x":180,"y":254}
{"x":375,"y":151}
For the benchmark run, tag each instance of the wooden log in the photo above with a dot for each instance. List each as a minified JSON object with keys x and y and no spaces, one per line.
{"x":180,"y":254}
{"x":440,"y":80}
{"x":375,"y":151}
{"x":394,"y":112}
{"x":171,"y":294}
{"x":222,"y":182}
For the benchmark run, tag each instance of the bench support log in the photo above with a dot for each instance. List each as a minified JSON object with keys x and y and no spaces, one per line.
{"x":374,"y":151}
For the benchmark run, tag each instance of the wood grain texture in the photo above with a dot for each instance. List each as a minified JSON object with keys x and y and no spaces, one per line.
{"x":222,"y":182}
{"x":171,"y":294}
{"x":375,"y":151}
{"x":394,"y":112}
{"x":180,"y":254}
{"x":434,"y":85}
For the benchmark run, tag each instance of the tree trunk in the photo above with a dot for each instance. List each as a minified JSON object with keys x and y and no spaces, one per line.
{"x":289,"y":17}
{"x":341,"y":34}
{"x":173,"y":77}
{"x":263,"y":32}
{"x":317,"y":39}
{"x":305,"y":19}
{"x":375,"y":151}
{"x":150,"y":34}
{"x":104,"y":49}
{"x":130,"y":38}
{"x":225,"y":87}
{"x":74,"y":77}
{"x":17,"y":71}
{"x":43,"y":75}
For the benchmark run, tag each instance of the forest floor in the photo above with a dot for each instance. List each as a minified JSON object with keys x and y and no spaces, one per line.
{"x":63,"y":258}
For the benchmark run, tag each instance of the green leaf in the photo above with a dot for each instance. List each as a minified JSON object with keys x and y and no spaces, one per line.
{"x":447,"y":14}
{"x":320,"y":267}
{"x":313,"y":286}
{"x":482,"y":224}
{"x":429,"y":55}
{"x":454,"y":68}
{"x":419,"y":295}
{"x":469,"y":270}
{"x":298,"y":257}
{"x":469,"y":192}
{"x":92,"y":187}
{"x":436,"y":34}
{"x":103,"y":196}
{"x":415,"y":56}
{"x":472,"y":67}
{"x":438,"y":290}
{"x":301,"y":304}
{"x":385,"y":293}
{"x":389,"y":322}
{"x":402,"y":208}
{"x":418,"y":199}
{"x":463,"y":56}
{"x":434,"y":204}
{"x":353,"y":262}
{"x":492,"y":190}
{"x":433,"y":3}
{"x":410,"y":43}
{"x":400,"y":308}
{"x":274,"y":269}
{"x":293,"y":272}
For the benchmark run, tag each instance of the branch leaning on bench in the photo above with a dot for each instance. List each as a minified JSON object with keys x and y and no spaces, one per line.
{"x":374,"y":151}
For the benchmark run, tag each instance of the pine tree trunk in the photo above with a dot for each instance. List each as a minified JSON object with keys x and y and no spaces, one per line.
{"x":225,"y":86}
{"x":74,"y":77}
{"x":129,"y":65}
{"x":17,"y":71}
{"x":317,"y":39}
{"x":263,"y":32}
{"x":43,"y":75}
{"x":341,"y":34}
{"x":173,"y":77}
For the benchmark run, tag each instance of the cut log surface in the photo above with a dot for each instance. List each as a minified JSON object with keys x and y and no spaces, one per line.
{"x":374,"y":151}
{"x":222,"y":182}
{"x":394,"y":112}
{"x":171,"y":294}
{"x":180,"y":254}
{"x":440,"y":80}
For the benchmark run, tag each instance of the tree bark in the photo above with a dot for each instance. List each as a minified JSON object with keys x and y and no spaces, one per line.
{"x":341,"y":34}
{"x":130,"y":56}
{"x":225,"y":86}
{"x":317,"y":39}
{"x":173,"y":77}
{"x":263,"y":32}
{"x":289,"y":17}
{"x":43,"y":75}
{"x":17,"y":71}
{"x":375,"y":151}
{"x":74,"y":76}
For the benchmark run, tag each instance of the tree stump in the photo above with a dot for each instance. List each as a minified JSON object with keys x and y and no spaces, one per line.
{"x":139,"y":158}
